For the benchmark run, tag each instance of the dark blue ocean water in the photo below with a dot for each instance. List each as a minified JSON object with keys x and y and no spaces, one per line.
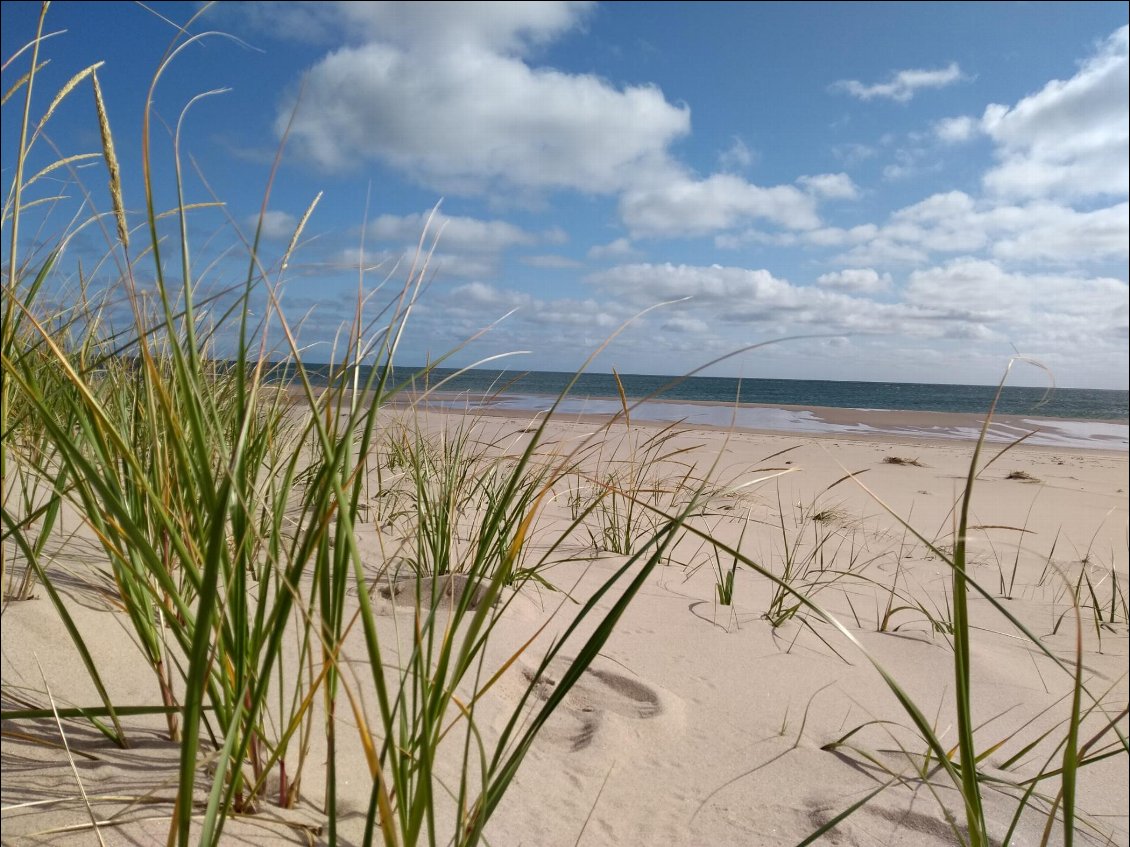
{"x":1062,"y":403}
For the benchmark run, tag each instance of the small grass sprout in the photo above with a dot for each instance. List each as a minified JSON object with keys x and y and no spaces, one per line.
{"x":900,"y":460}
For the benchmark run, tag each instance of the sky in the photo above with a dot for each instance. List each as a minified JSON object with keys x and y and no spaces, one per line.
{"x":920,"y":190}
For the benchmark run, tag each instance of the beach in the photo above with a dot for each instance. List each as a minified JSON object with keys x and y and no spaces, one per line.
{"x":808,"y":419}
{"x":565,"y":425}
{"x":753,"y":722}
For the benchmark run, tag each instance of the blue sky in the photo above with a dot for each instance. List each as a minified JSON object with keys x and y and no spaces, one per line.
{"x":928,"y":187}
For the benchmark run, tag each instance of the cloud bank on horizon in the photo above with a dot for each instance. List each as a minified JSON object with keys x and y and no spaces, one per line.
{"x":925,"y":219}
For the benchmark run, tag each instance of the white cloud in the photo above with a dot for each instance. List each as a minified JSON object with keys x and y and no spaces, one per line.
{"x":1057,"y":234}
{"x":956,"y":130}
{"x":883,"y":250}
{"x":455,"y":233}
{"x":736,"y":157}
{"x":313,"y":23}
{"x":954,"y":222}
{"x":413,"y":95}
{"x":681,"y":205}
{"x":505,"y":27}
{"x":825,"y":236}
{"x":833,"y":186}
{"x":462,"y":265}
{"x":910,"y":162}
{"x":511,"y":28}
{"x":856,"y":281}
{"x":409,"y":90}
{"x":1023,"y":264}
{"x":735,"y":295}
{"x":482,"y":294}
{"x":685,"y":325}
{"x":903,"y":85}
{"x":277,"y":225}
{"x":1071,"y":138}
{"x":620,"y":248}
{"x":754,"y":299}
{"x":485,"y":302}
{"x":967,"y":312}
{"x":853,"y":154}
{"x":648,"y":283}
{"x":444,"y":265}
{"x":1028,"y":306}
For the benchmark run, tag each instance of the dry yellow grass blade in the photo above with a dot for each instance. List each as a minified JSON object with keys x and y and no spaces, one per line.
{"x":71,"y":758}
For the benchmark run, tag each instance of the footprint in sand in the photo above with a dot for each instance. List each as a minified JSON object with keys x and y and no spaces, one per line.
{"x":597,"y":693}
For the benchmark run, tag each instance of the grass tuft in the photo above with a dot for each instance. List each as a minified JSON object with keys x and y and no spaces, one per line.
{"x":900,"y":460}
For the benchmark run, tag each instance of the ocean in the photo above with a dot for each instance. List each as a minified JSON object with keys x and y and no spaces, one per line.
{"x":1061,"y":403}
{"x":1065,"y":417}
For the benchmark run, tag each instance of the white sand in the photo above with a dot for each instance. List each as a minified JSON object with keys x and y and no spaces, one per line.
{"x":701,"y":724}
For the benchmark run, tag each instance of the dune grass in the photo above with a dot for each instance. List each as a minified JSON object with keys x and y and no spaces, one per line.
{"x":227,"y":505}
{"x":960,"y":765}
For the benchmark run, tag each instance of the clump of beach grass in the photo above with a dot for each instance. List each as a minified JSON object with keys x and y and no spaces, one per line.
{"x":1050,"y":795}
{"x":961,"y":765}
{"x":901,"y":460}
{"x":228,"y":513}
{"x":626,"y":494}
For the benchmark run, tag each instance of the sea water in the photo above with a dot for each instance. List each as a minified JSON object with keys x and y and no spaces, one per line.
{"x":1065,"y":417}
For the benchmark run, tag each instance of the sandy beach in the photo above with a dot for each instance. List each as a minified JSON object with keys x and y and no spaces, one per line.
{"x":753,"y":723}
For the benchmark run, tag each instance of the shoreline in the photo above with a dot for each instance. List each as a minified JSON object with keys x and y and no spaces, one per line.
{"x":810,"y":421}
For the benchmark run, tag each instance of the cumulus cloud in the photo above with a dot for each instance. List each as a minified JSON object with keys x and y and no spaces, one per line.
{"x":487,"y":302}
{"x":1058,"y":234}
{"x":620,"y":248}
{"x":406,"y":89}
{"x":277,"y":225}
{"x":956,"y":130}
{"x":683,"y":205}
{"x":404,"y":86}
{"x":735,"y":300}
{"x":410,"y":95}
{"x":685,"y":325}
{"x":455,"y":233}
{"x":966,"y":299}
{"x":970,"y":310}
{"x":854,"y":154}
{"x":882,"y":250}
{"x":833,"y":186}
{"x":954,"y":222}
{"x":445,"y":264}
{"x":856,"y":280}
{"x":735,"y":295}
{"x":903,"y":85}
{"x":1070,"y":139}
{"x":646,"y":283}
{"x":736,"y":157}
{"x":482,"y":294}
{"x":1029,"y":305}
